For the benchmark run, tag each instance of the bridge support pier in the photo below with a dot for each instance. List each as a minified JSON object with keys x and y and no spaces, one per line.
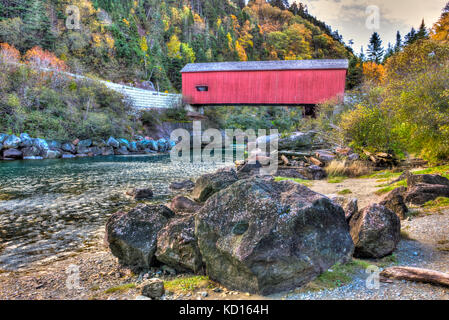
{"x":196,"y":109}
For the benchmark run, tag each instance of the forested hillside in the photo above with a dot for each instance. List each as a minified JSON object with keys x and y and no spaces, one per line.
{"x":135,"y":41}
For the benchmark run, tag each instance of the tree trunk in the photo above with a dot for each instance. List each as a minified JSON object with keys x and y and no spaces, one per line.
{"x":416,"y":274}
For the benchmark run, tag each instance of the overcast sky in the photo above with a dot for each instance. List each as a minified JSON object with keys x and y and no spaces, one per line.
{"x":349,"y":17}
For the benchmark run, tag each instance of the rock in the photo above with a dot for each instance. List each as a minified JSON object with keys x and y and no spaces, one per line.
{"x":41,"y":144}
{"x":12,"y":154}
{"x":75,"y":142}
{"x":139,"y":194}
{"x":52,"y":154}
{"x":3,"y":137}
{"x":297,"y":140}
{"x":54,"y":144}
{"x":182,"y":185}
{"x":376,"y":231}
{"x":177,"y":245}
{"x":414,"y":180}
{"x":133,"y":146}
{"x":181,"y":204}
{"x":315,"y":173}
{"x":33,"y":158}
{"x":153,"y":288}
{"x":353,"y":157}
{"x":81,"y":149}
{"x":349,"y":205}
{"x":68,"y":147}
{"x":25,"y":140}
{"x":262,"y":236}
{"x":122,"y":151}
{"x":68,"y":156}
{"x":1,"y":146}
{"x":107,"y":151}
{"x":422,"y":193}
{"x":394,"y":201}
{"x":208,"y":184}
{"x":95,"y":151}
{"x":123,"y":143}
{"x":325,"y":155}
{"x":11,"y":142}
{"x":162,"y":145}
{"x":291,"y":173}
{"x":31,"y":152}
{"x":147,"y":144}
{"x":84,"y":143}
{"x":132,"y":236}
{"x":113,"y":143}
{"x":171,"y":144}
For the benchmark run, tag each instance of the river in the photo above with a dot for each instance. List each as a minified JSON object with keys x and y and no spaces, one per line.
{"x":51,"y":208}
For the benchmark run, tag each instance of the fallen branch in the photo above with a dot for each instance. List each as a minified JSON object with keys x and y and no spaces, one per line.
{"x":416,"y":274}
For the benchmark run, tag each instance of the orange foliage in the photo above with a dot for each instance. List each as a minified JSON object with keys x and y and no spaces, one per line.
{"x":9,"y":54}
{"x":373,"y":72}
{"x":39,"y":58}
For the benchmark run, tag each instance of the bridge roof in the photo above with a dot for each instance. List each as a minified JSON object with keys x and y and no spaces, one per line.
{"x":267,"y":65}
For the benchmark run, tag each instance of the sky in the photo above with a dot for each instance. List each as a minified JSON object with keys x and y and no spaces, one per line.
{"x":349,"y":17}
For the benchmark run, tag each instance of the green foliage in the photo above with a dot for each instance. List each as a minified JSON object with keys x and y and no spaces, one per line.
{"x":306,"y":183}
{"x":408,"y":113}
{"x":60,"y":108}
{"x":187,"y":284}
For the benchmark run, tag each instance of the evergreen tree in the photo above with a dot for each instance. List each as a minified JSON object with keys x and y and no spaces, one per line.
{"x":422,"y":32}
{"x":37,"y":29}
{"x":390,"y":51}
{"x":281,"y":4}
{"x":411,"y":37}
{"x":375,"y":49}
{"x":398,"y":45}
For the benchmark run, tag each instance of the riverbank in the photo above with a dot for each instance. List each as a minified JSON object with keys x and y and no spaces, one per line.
{"x":24,"y":147}
{"x":424,"y":244}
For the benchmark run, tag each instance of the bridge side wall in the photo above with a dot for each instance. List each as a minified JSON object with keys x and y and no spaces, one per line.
{"x":289,"y":87}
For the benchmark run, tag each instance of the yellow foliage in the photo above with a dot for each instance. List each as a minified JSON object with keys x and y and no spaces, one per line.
{"x":230,"y":42}
{"x":440,"y":30}
{"x":174,"y":47}
{"x":126,"y":22}
{"x":241,"y":52}
{"x":143,"y":44}
{"x":373,"y":72}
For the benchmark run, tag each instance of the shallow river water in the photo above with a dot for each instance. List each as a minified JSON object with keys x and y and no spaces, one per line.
{"x":51,"y":207}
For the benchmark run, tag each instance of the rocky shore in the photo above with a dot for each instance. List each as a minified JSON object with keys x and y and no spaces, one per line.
{"x":24,"y":147}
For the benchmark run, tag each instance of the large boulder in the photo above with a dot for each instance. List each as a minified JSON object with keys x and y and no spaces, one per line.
{"x":68,"y":147}
{"x":12,"y":154}
{"x":153,"y":288}
{"x":140,"y":193}
{"x":3,"y":137}
{"x":84,"y":143}
{"x":31,"y":152}
{"x":349,"y":205}
{"x":297,"y":140}
{"x":394,"y":201}
{"x":25,"y":140}
{"x":376,"y":231}
{"x":210,"y":183}
{"x":132,"y":236}
{"x":177,"y":245}
{"x":54,"y":145}
{"x":11,"y":142}
{"x":52,"y":154}
{"x":307,"y":173}
{"x":41,"y":144}
{"x":181,"y":204}
{"x":263,"y":236}
{"x":182,"y":185}
{"x":425,"y":187}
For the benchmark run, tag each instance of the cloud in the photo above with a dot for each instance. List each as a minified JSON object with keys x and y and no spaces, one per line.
{"x":349,"y":17}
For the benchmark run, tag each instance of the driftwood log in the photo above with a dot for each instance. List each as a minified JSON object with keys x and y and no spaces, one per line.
{"x":416,"y":274}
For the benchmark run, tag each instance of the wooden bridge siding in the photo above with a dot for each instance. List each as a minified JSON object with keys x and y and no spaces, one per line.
{"x":264,"y":87}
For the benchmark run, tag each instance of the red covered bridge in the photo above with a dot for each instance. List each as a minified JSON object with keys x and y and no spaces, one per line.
{"x":285,"y":83}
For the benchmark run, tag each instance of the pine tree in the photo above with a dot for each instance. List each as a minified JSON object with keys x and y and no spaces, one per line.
{"x":398,"y":45}
{"x":422,"y":32}
{"x":37,"y":27}
{"x":411,"y":37}
{"x":390,"y":51}
{"x":375,"y":49}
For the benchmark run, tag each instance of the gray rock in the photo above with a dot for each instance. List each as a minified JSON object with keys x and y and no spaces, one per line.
{"x":84,"y":143}
{"x":107,"y":151}
{"x":53,"y":154}
{"x":3,"y":137}
{"x":376,"y":231}
{"x":140,"y":194}
{"x":41,"y":144}
{"x":132,"y":236}
{"x":349,"y":205}
{"x":122,"y":151}
{"x":394,"y":201}
{"x":31,"y":152}
{"x":181,"y":204}
{"x":421,"y":193}
{"x":414,"y":180}
{"x":325,"y":156}
{"x":95,"y":151}
{"x":153,"y":288}
{"x":177,"y":245}
{"x":82,"y":150}
{"x":12,"y":154}
{"x":113,"y":142}
{"x":264,"y":237}
{"x":208,"y":184}
{"x":162,"y":145}
{"x":182,"y":185}
{"x":133,"y":146}
{"x":33,"y":158}
{"x":297,"y":140}
{"x":25,"y":140}
{"x":55,"y":145}
{"x":68,"y":156}
{"x":124,"y":143}
{"x":11,"y":142}
{"x":68,"y":147}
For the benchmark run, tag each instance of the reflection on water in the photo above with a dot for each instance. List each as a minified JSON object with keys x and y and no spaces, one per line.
{"x":51,"y":207}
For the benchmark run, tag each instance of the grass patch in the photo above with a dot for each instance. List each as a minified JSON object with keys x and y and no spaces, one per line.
{"x":336,"y":179}
{"x":121,"y":288}
{"x":344,"y":192}
{"x":344,"y":168}
{"x":187,"y":284}
{"x":438,"y":203}
{"x":441,"y":170}
{"x":387,"y":261}
{"x":387,"y":188}
{"x":306,"y":183}
{"x":339,"y":275}
{"x":405,"y":235}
